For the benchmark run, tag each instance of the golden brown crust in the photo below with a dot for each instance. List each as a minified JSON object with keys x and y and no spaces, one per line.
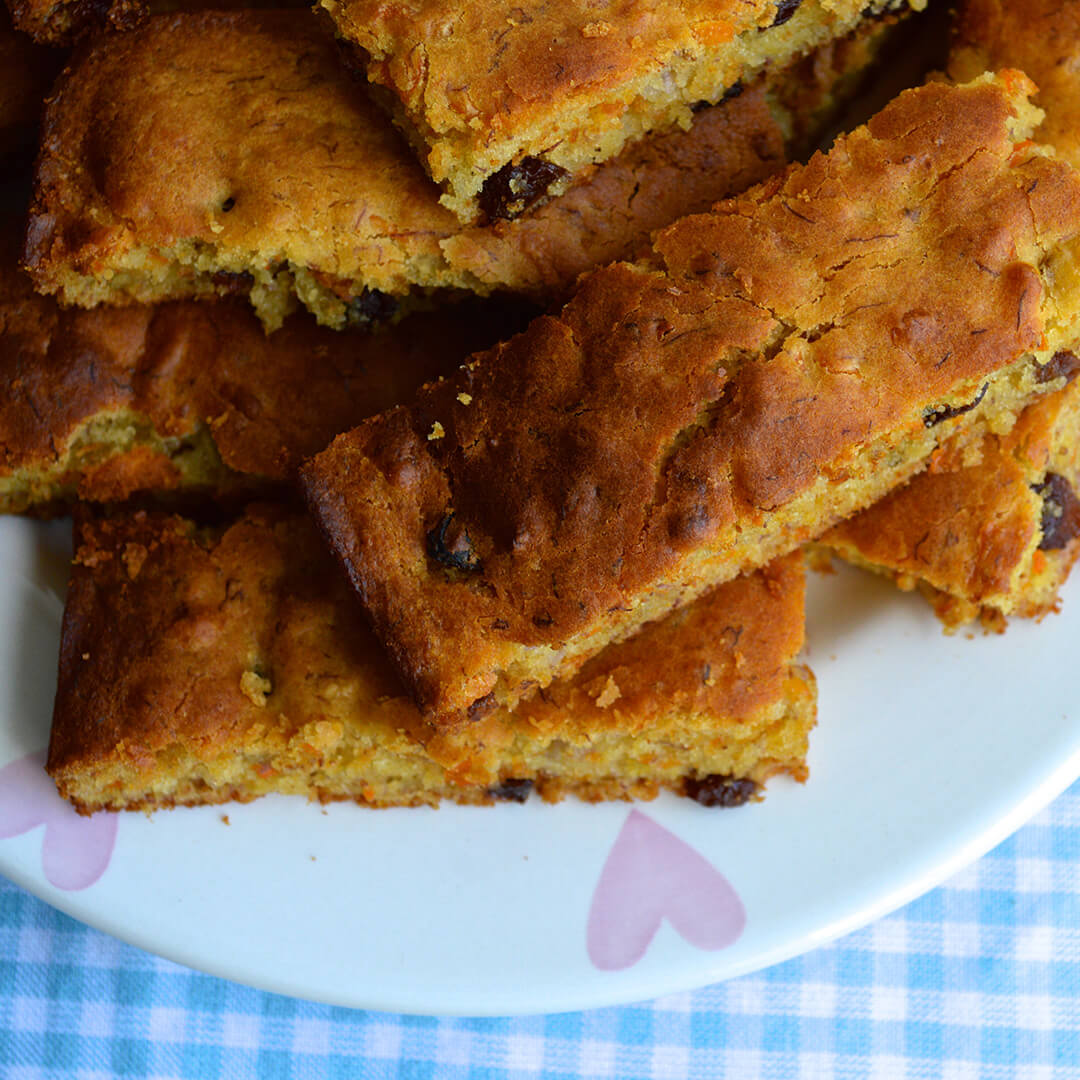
{"x":154,"y":139}
{"x":175,"y":372}
{"x":1040,"y":38}
{"x":613,"y":213}
{"x":237,"y":658}
{"x":964,"y":527}
{"x":187,"y":620}
{"x":970,"y":530}
{"x":467,"y":65}
{"x":479,"y":87}
{"x":127,"y":208}
{"x":780,"y":366}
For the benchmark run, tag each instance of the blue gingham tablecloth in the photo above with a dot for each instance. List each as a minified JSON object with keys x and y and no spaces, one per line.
{"x":979,"y":978}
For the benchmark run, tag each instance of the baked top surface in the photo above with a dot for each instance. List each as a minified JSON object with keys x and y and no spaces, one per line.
{"x":772,"y":339}
{"x":268,"y":401}
{"x":729,"y":146}
{"x":1042,"y":39}
{"x":235,"y":637}
{"x":506,"y":104}
{"x":187,"y":619}
{"x":264,"y":144}
{"x":486,"y":68}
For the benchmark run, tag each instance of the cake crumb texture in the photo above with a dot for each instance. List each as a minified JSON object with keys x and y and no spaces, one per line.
{"x":505,"y":103}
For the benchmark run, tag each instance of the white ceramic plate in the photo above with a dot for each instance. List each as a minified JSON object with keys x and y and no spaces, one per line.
{"x":929,"y":750}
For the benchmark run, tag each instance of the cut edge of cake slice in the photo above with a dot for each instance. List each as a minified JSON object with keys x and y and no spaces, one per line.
{"x":781,"y":363}
{"x":202,"y":665}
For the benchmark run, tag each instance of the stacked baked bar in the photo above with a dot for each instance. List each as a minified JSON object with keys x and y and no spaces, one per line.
{"x":578,"y":550}
{"x":168,"y":149}
{"x":994,"y":531}
{"x":170,"y":391}
{"x":777,"y":365}
{"x":226,"y":663}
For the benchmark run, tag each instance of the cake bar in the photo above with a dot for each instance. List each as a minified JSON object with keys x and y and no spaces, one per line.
{"x":203,"y":665}
{"x":990,"y":538}
{"x":507,"y":101}
{"x":781,"y":363}
{"x":992,"y":533}
{"x":171,"y":168}
{"x":161,"y":178}
{"x":194,"y":397}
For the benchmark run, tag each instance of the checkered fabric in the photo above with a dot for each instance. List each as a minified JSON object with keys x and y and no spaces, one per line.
{"x":980,"y":978}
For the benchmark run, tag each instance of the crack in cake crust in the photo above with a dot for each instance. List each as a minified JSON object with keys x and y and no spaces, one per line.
{"x":814,"y":339}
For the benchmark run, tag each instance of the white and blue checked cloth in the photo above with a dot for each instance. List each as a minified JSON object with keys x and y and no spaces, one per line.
{"x":979,"y":978}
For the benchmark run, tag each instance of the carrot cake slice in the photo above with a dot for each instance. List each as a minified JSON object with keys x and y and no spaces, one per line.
{"x":781,"y":363}
{"x":992,"y":533}
{"x":171,"y":168}
{"x":200,"y":665}
{"x":989,"y":532}
{"x":195,"y":397}
{"x":163,"y":176}
{"x":507,"y":101}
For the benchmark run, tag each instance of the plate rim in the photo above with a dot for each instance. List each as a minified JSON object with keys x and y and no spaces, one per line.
{"x":886,"y":893}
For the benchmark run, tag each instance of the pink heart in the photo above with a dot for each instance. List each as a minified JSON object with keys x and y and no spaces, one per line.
{"x":76,"y":849}
{"x":650,"y":875}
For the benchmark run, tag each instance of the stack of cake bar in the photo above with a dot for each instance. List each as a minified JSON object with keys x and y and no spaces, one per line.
{"x":447,"y":395}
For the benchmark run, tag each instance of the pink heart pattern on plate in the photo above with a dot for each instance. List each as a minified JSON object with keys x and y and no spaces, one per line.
{"x":76,"y":849}
{"x":650,"y":874}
